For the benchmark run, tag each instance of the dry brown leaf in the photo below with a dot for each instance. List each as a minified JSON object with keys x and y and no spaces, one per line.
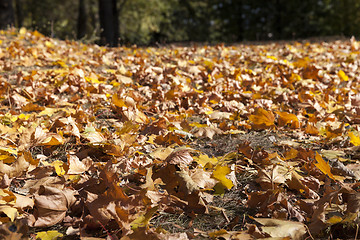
{"x":271,"y":177}
{"x":282,"y":228}
{"x":75,"y":165}
{"x":51,"y":205}
{"x":16,"y":169}
{"x":208,"y":132}
{"x":202,"y":179}
{"x":180,"y":157}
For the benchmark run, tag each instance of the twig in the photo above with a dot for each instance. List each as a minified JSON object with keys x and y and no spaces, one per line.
{"x":111,"y":238}
{"x":357,"y":230}
{"x":225,"y":216}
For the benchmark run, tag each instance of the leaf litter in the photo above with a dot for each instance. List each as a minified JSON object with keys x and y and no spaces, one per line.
{"x":222,"y":142}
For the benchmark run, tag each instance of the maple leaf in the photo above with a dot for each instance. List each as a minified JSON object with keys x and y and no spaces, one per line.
{"x":204,"y":160}
{"x":262,"y":119}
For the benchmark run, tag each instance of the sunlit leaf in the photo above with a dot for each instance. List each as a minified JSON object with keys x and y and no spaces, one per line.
{"x":9,"y":211}
{"x":220,"y":173}
{"x":354,"y":139}
{"x":343,"y":76}
{"x":143,"y":220}
{"x":323,"y":166}
{"x":92,"y":135}
{"x":334,"y":220}
{"x":262,"y":119}
{"x":204,"y":159}
{"x":49,"y":235}
{"x":288,"y":119}
{"x":60,"y":167}
{"x":282,"y":228}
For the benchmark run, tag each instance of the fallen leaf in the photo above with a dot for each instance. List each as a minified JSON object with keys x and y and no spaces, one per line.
{"x":323,"y":166}
{"x":262,"y":119}
{"x":288,"y":119}
{"x":49,"y":235}
{"x":220,"y":173}
{"x":354,"y":139}
{"x":282,"y":228}
{"x":51,"y":205}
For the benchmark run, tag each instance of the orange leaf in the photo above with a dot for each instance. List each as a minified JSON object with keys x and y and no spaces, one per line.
{"x":288,"y":119}
{"x":262,"y":119}
{"x":311,"y":129}
{"x":323,"y":166}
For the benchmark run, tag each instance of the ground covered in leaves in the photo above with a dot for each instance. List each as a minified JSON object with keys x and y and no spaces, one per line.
{"x":198,"y":142}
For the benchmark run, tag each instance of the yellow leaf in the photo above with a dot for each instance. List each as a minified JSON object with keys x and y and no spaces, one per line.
{"x":143,"y":220}
{"x":53,"y":140}
{"x":355,"y":140}
{"x":9,"y":150}
{"x":220,"y":173}
{"x":60,"y":63}
{"x":118,"y":101}
{"x":7,"y":197}
{"x":323,"y":166}
{"x":334,"y":220}
{"x":217,"y":233}
{"x":6,"y":158}
{"x":22,"y":31}
{"x":60,"y":167}
{"x":49,"y":235}
{"x":48,"y":111}
{"x":272,"y":57}
{"x":196,"y":124}
{"x":49,"y":44}
{"x":9,"y":211}
{"x":204,"y":159}
{"x":343,"y":76}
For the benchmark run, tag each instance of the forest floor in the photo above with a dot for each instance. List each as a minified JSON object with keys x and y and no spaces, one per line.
{"x":178,"y":142}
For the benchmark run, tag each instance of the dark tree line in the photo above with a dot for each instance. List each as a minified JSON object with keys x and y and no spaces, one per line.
{"x":113,"y":22}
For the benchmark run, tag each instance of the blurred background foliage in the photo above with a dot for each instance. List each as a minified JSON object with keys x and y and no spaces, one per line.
{"x":145,"y":22}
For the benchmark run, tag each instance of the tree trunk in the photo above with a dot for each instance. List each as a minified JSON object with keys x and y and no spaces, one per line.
{"x":19,"y":13}
{"x":7,"y":17}
{"x":82,"y":20}
{"x":109,"y":22}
